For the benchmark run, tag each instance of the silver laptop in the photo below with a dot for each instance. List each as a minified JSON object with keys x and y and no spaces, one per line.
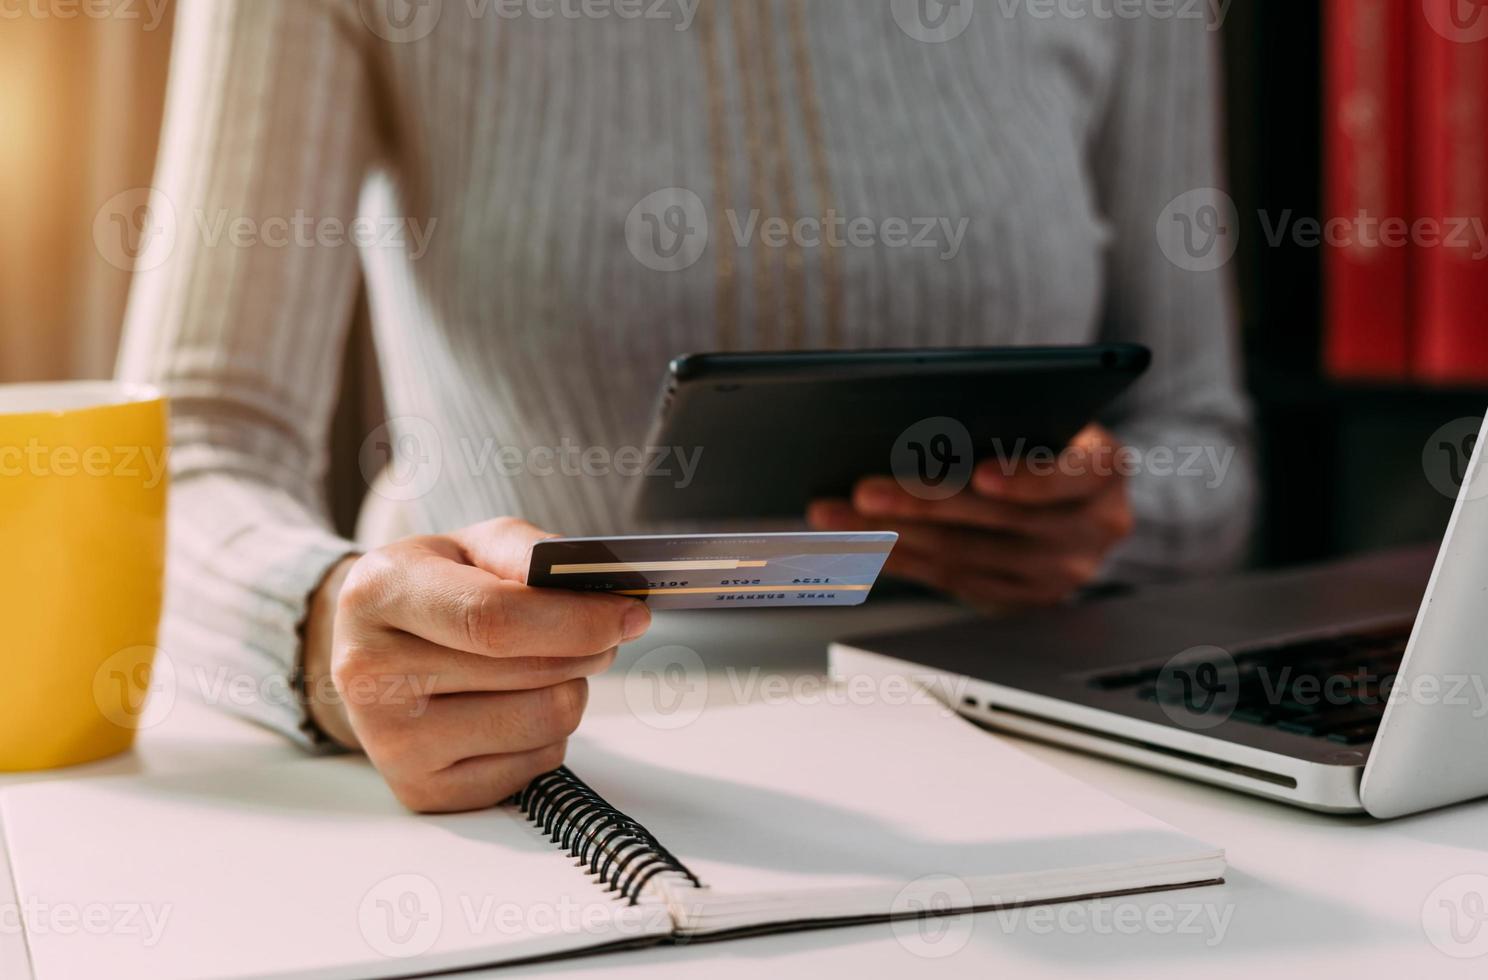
{"x":1355,"y":687}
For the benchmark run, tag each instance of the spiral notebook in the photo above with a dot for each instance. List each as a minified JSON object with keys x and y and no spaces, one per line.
{"x":761,"y":818}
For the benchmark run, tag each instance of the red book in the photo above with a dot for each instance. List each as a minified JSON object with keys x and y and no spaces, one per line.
{"x":1366,"y":272}
{"x":1450,"y":188}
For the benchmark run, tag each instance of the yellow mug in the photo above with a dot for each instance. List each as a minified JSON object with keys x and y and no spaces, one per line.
{"x":83,"y":487}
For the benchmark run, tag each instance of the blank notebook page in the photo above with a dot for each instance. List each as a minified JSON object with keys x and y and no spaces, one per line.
{"x":310,"y":869}
{"x":767,"y":803}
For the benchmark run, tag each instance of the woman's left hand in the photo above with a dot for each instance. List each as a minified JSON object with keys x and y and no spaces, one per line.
{"x":1027,"y":536}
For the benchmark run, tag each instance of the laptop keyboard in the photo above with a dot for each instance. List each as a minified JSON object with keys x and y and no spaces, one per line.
{"x":1334,"y":688}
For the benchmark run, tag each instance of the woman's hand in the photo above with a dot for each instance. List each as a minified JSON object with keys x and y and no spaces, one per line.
{"x":1031,"y":537}
{"x":459,"y":682}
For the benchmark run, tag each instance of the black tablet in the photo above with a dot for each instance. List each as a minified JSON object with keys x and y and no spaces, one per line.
{"x":762,"y":435}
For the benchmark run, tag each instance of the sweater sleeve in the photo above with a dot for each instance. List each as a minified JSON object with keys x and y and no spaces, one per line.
{"x":240,"y":314}
{"x":1155,"y":164}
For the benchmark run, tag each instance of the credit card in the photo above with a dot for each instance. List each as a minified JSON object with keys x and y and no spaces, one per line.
{"x":718,"y":571}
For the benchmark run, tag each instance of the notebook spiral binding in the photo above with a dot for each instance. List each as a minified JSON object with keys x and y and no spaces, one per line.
{"x":620,"y":853}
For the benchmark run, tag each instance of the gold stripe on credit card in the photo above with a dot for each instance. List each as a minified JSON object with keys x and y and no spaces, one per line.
{"x":750,"y":588}
{"x":610,"y":568}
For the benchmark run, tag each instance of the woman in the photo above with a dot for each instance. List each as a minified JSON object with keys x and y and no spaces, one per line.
{"x":532,"y":182}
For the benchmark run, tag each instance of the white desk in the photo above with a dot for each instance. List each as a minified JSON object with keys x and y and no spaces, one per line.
{"x":1307,"y":895}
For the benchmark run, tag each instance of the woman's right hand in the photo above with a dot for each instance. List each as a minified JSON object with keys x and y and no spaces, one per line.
{"x":459,"y":682}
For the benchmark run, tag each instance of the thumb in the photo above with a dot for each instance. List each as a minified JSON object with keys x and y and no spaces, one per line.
{"x":502,"y":546}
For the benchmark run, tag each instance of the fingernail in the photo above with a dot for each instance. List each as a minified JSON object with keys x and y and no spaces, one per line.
{"x":875,"y":499}
{"x":637,"y":621}
{"x":990,"y":483}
